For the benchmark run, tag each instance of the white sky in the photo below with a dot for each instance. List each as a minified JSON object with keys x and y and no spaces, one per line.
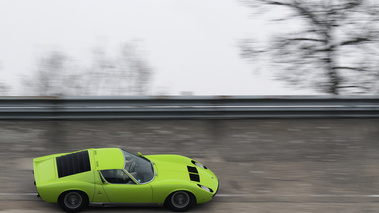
{"x":192,"y":45}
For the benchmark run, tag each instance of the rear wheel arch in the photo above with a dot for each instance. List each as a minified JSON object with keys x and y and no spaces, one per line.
{"x":73,"y":200}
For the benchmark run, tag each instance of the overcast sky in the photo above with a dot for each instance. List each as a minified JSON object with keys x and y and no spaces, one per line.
{"x":192,"y":45}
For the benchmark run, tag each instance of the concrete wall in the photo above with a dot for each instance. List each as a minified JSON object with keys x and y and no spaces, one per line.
{"x":260,"y":156}
{"x":243,"y":140}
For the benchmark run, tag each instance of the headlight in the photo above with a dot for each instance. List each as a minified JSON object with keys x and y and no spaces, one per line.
{"x":205,"y":188}
{"x":199,"y":164}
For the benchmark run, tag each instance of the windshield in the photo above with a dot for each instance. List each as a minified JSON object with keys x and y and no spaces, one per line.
{"x":139,"y":167}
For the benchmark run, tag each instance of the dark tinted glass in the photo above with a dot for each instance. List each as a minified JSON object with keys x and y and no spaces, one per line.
{"x":116,"y":176}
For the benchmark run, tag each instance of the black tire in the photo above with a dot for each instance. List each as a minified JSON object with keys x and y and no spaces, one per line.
{"x":180,"y":201}
{"x":73,"y":201}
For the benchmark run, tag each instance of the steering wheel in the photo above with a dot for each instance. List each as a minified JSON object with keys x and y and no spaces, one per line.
{"x":132,"y":167}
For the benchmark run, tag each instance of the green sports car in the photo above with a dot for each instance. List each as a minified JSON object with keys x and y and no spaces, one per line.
{"x":114,"y":176}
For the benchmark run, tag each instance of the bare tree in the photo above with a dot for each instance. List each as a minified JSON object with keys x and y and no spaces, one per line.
{"x":47,"y":79}
{"x":128,"y":73}
{"x":135,"y":73}
{"x":333,"y":48}
{"x":4,"y":88}
{"x":100,"y":76}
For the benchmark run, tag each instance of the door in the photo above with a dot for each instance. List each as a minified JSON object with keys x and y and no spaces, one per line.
{"x":120,"y":188}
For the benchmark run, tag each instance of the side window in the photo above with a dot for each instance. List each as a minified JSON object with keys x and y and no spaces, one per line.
{"x":116,"y":176}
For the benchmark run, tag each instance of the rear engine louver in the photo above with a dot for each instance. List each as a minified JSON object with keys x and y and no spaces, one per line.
{"x":193,"y":173}
{"x":73,"y":164}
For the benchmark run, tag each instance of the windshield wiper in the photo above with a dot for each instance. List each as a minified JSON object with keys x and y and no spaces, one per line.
{"x":141,"y":156}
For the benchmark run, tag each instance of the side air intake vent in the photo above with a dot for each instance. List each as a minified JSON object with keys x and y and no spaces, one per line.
{"x":194,"y":177}
{"x":73,"y":164}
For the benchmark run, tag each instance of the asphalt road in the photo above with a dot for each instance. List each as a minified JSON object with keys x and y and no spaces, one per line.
{"x":263,"y":165}
{"x":279,"y":189}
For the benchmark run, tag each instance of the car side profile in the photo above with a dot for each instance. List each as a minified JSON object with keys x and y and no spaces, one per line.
{"x":114,"y":176}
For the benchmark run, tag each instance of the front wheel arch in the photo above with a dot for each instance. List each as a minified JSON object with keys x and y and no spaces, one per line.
{"x":169,"y":203}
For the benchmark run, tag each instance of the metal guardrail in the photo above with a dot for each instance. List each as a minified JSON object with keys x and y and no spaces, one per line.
{"x":191,"y":107}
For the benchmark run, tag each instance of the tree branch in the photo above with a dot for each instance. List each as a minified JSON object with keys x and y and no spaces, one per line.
{"x":354,"y":41}
{"x":348,"y":68}
{"x":307,"y":39}
{"x":294,"y":5}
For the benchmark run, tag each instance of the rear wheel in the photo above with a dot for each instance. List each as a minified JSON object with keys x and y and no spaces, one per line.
{"x":180,"y":201}
{"x":73,"y":201}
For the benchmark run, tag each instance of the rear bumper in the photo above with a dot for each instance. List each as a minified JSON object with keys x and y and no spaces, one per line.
{"x":34,"y":182}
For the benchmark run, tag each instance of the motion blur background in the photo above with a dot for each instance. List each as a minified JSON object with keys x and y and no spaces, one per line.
{"x":210,"y":47}
{"x":222,"y":48}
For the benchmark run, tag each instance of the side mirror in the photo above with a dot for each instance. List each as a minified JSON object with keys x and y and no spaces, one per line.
{"x":139,"y":154}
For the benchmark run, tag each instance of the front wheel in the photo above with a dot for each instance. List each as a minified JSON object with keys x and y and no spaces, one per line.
{"x":180,"y":201}
{"x":73,"y":201}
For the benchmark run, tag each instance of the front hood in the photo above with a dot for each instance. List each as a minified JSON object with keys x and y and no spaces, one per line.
{"x":176,"y":167}
{"x":170,"y":163}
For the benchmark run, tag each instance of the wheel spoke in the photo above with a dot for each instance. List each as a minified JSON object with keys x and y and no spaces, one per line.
{"x":180,"y":199}
{"x":73,"y":200}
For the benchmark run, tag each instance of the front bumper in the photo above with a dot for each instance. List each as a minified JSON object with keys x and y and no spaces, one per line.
{"x":218,"y":186}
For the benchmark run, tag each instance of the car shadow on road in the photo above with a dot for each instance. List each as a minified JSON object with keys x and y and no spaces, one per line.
{"x":123,"y":208}
{"x":143,"y":208}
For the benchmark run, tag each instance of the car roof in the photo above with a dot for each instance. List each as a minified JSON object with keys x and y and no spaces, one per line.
{"x":109,"y":158}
